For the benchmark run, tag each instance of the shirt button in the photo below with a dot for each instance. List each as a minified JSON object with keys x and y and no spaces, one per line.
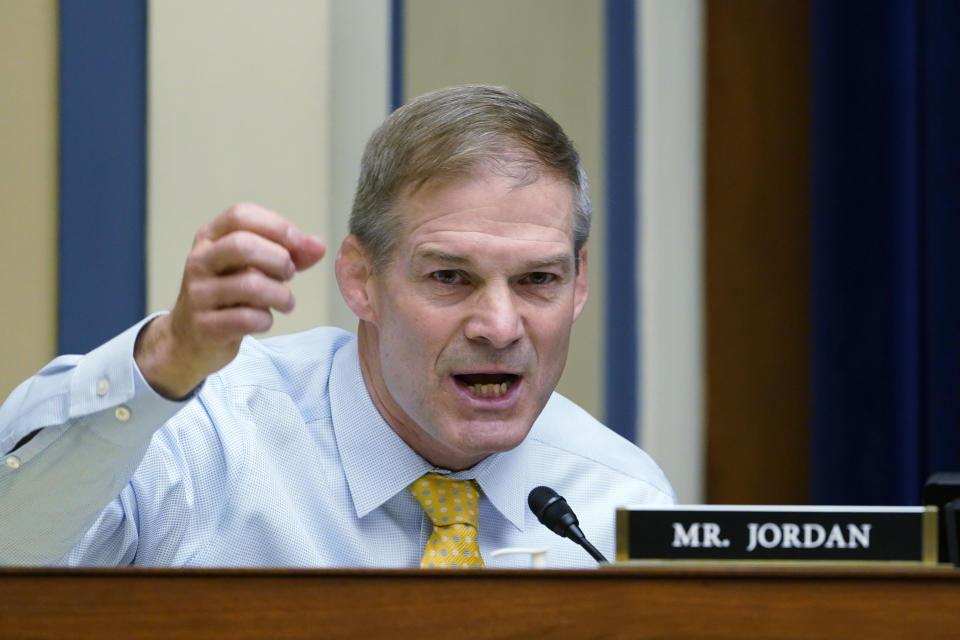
{"x":103,"y":387}
{"x":13,"y":462}
{"x":122,"y":413}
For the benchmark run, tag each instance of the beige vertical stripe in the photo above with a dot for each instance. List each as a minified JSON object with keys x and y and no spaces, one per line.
{"x":551,"y":51}
{"x":360,"y":83}
{"x":28,"y":184}
{"x":671,"y":235}
{"x":238,"y":109}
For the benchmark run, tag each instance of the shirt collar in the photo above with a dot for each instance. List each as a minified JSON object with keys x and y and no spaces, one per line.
{"x":503,"y":479}
{"x":378,"y":464}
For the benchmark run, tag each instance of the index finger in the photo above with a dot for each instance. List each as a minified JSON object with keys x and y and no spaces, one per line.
{"x":246,"y":216}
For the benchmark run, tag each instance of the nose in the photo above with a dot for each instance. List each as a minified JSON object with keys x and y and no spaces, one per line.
{"x":494,"y":319}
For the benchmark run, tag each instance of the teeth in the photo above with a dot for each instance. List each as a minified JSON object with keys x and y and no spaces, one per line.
{"x":488,"y":390}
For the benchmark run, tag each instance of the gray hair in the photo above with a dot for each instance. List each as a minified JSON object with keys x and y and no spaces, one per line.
{"x":456,"y":131}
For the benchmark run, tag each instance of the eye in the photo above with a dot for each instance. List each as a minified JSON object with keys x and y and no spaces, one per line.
{"x":539,"y":278}
{"x":448,"y":276}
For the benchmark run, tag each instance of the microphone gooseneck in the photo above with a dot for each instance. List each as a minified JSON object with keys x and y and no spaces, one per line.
{"x":554,"y":513}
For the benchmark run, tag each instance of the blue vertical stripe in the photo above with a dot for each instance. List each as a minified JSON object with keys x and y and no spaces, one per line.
{"x":396,"y":53}
{"x":621,"y":171}
{"x":102,"y":170}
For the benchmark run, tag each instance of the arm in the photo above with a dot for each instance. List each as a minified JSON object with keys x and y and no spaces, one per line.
{"x":93,"y":416}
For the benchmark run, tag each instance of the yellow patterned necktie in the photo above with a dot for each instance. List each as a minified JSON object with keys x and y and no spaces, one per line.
{"x":452,"y":507}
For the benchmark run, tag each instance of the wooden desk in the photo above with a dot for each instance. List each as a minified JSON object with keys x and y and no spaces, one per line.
{"x":656,"y":602}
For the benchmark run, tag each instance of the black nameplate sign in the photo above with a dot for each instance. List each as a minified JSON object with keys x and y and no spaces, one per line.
{"x":790,"y":533}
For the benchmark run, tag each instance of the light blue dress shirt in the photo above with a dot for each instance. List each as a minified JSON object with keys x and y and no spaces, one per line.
{"x":280,"y":460}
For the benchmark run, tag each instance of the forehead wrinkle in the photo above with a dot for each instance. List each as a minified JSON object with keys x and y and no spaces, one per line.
{"x":439,"y":255}
{"x":556,"y":261}
{"x":538,"y":234}
{"x":497,"y":221}
{"x":461,"y":250}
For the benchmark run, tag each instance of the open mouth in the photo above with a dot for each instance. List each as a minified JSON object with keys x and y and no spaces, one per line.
{"x":487,"y":385}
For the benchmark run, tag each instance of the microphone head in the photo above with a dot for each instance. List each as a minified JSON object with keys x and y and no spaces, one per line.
{"x":539,"y":498}
{"x":552,"y":511}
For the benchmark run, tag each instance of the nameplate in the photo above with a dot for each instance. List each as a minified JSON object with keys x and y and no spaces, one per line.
{"x":786,"y":533}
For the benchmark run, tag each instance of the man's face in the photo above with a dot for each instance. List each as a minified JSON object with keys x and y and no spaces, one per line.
{"x":471,"y":318}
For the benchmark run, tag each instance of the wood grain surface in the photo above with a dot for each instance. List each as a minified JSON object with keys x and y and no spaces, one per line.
{"x":757,"y":251}
{"x":657,"y":602}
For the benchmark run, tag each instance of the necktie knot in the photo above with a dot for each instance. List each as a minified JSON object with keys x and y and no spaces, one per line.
{"x":452,"y":506}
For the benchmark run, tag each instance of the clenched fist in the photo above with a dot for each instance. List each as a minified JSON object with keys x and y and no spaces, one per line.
{"x":235,"y":276}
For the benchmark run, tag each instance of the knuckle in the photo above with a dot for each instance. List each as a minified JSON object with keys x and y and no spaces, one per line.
{"x":233,"y":242}
{"x":242,"y":243}
{"x":244,"y":210}
{"x":234,"y":215}
{"x":195,"y":292}
{"x":194,"y":263}
{"x":251,"y":284}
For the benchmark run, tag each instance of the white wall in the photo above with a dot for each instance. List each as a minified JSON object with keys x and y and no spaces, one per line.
{"x":671,"y":402}
{"x":360,"y":85}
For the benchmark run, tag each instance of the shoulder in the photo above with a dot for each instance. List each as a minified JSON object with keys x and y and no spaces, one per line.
{"x":297,"y":365}
{"x":574,"y":439}
{"x":320,"y":342}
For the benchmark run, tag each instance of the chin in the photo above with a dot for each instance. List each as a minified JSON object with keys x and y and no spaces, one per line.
{"x":500,"y":438}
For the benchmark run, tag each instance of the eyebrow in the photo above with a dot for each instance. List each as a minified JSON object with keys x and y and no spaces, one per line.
{"x":556,"y":261}
{"x":454,"y":259}
{"x":440,"y":256}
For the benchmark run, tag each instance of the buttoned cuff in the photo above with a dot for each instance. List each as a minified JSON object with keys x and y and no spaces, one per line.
{"x":109,"y":388}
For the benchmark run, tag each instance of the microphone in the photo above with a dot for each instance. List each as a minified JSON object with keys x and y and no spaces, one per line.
{"x":554,"y":513}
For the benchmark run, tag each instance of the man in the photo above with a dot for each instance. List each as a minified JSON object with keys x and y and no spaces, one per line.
{"x":183,"y":442}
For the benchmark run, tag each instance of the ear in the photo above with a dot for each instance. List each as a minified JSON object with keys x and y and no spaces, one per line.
{"x":354,"y":270}
{"x":581,"y":289}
